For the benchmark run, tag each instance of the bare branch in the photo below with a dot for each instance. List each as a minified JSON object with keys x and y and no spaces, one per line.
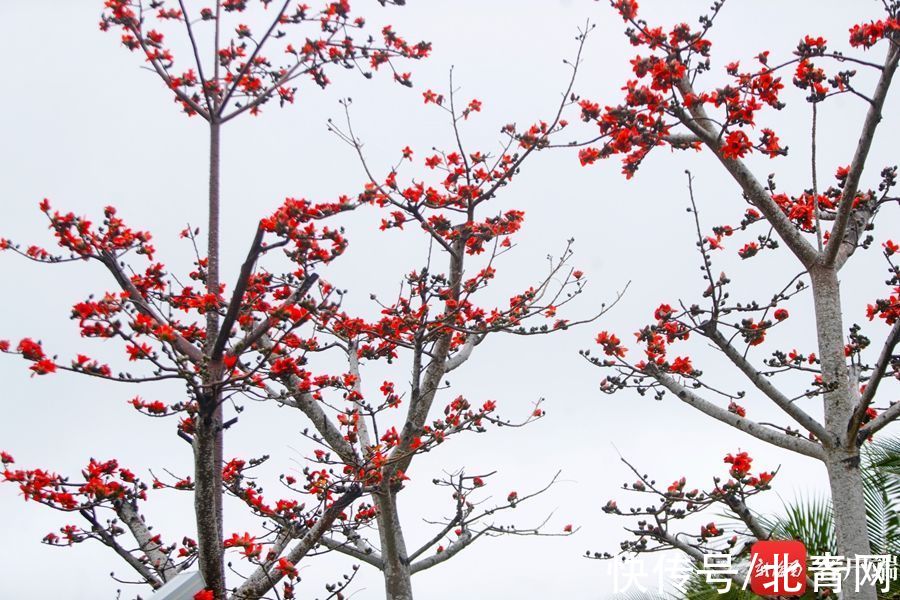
{"x":765,"y":386}
{"x":142,"y":534}
{"x":368,"y":555}
{"x":458,"y":545}
{"x":795,"y":444}
{"x":107,"y":538}
{"x":234,"y":306}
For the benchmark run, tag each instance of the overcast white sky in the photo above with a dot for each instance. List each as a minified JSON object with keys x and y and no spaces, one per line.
{"x":82,"y":125}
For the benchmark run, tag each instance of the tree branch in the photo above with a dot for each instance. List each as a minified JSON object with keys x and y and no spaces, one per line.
{"x":249,"y":63}
{"x":851,"y":185}
{"x":420,"y":404}
{"x":370,"y":557}
{"x":756,"y":193}
{"x":765,"y":386}
{"x":464,"y":353}
{"x":111,"y":542}
{"x":305,"y":402}
{"x":795,"y":444}
{"x":183,"y":346}
{"x":138,"y":528}
{"x":263,"y":327}
{"x":887,"y":353}
{"x":452,"y":550}
{"x":744,"y":513}
{"x":264,"y":579}
{"x":234,"y":306}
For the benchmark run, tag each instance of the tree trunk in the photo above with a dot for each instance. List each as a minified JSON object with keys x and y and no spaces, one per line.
{"x":849,"y":507}
{"x":208,"y":435}
{"x":842,"y":451}
{"x":397,"y":577}
{"x":208,"y":494}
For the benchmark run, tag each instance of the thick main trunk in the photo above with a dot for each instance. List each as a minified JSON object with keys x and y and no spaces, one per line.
{"x":839,"y":401}
{"x":842,"y":451}
{"x":208,"y":436}
{"x":849,"y":506}
{"x":208,"y":496}
{"x":397,"y":576}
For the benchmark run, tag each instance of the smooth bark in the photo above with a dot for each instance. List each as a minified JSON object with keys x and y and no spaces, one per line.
{"x":848,"y":502}
{"x":842,"y":463}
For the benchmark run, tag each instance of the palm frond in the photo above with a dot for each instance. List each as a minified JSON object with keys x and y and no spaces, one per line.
{"x":881,"y":480}
{"x":810,"y":520}
{"x":696,"y":588}
{"x":806,"y":519}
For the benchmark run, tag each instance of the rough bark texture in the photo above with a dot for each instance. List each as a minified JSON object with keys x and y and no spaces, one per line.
{"x":397,"y":576}
{"x":208,"y":436}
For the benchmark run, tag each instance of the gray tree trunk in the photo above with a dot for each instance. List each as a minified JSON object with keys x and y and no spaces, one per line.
{"x":397,"y":576}
{"x":208,"y":442}
{"x":842,"y":458}
{"x":849,"y":506}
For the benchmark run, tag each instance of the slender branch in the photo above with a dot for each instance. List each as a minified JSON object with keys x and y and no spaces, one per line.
{"x":701,"y":126}
{"x":437,"y":537}
{"x":167,"y":79}
{"x":313,"y":410}
{"x":795,"y":444}
{"x":249,"y":63}
{"x":420,"y":404}
{"x":884,"y":360}
{"x":111,"y":542}
{"x":696,"y":555}
{"x":263,"y":327}
{"x":765,"y":386}
{"x":815,"y":176}
{"x":234,"y":306}
{"x":458,"y":545}
{"x":196,"y":50}
{"x":372,"y":558}
{"x":138,"y":528}
{"x":180,"y":344}
{"x":743,"y":512}
{"x":851,"y":184}
{"x":263,"y":580}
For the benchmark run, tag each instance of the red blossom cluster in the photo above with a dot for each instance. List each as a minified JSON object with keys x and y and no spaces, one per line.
{"x":102,"y":483}
{"x":249,"y":69}
{"x":657,"y":520}
{"x":663,"y":97}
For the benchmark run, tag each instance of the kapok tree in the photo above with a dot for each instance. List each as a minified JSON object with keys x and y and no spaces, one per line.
{"x":431,"y":329}
{"x":659,"y":520}
{"x":203,"y":334}
{"x":819,"y":227}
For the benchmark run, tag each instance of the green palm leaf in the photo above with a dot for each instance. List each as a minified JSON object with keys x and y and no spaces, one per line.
{"x":810,"y":520}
